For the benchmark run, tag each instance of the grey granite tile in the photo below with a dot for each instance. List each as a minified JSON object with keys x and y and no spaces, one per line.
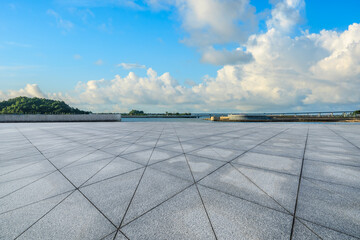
{"x":217,"y":153}
{"x":100,"y":143}
{"x":271,"y":162}
{"x":160,"y":155}
{"x":329,"y":205}
{"x":13,"y":185}
{"x":334,"y":173}
{"x":28,"y":171}
{"x":229,"y":180}
{"x":15,"y":222}
{"x":281,"y":187}
{"x":116,"y":150}
{"x":176,"y":166}
{"x":119,"y":236}
{"x":135,"y":148}
{"x":233,"y":218}
{"x":345,"y":159}
{"x":201,"y":167}
{"x":48,"y":186}
{"x":238,"y":144}
{"x":70,"y":157}
{"x":304,"y":232}
{"x":112,"y":196}
{"x":116,"y":167}
{"x":317,"y":232}
{"x":191,"y":146}
{"x":163,"y":142}
{"x":280,"y":151}
{"x":154,"y":188}
{"x":109,"y":236}
{"x":347,"y":149}
{"x":74,"y":218}
{"x":92,"y":157}
{"x":18,"y":151}
{"x":119,"y":142}
{"x":176,"y":147}
{"x":11,"y":165}
{"x":284,"y":143}
{"x":79,"y":174}
{"x":60,"y":148}
{"x":141,"y":157}
{"x":147,"y":142}
{"x":181,"y":217}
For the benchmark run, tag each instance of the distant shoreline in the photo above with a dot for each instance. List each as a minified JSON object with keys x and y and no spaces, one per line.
{"x":277,"y":118}
{"x":158,"y":116}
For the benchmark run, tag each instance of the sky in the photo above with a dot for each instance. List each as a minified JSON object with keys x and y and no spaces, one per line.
{"x":183,"y":55}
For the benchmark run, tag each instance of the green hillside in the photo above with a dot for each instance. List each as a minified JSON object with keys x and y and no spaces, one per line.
{"x":25,"y":105}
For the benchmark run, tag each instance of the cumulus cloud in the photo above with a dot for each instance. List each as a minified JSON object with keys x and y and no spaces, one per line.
{"x":132,"y":89}
{"x":30,"y":90}
{"x":212,"y":22}
{"x":128,"y":66}
{"x":270,"y":71}
{"x":286,"y":14}
{"x":343,"y":60}
{"x":304,"y":71}
{"x":217,"y":22}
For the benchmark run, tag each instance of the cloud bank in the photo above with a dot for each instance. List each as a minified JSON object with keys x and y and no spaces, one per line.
{"x":269,"y":71}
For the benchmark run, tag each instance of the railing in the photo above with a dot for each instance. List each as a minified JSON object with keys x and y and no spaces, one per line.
{"x":313,"y":113}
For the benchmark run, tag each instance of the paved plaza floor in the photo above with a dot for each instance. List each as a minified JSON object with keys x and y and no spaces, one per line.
{"x":179,"y":180}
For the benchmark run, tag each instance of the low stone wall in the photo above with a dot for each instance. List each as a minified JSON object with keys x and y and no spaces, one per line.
{"x":60,"y":118}
{"x":241,"y":117}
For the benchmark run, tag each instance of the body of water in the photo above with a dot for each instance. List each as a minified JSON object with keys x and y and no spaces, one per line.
{"x":163,"y":120}
{"x":206,"y":121}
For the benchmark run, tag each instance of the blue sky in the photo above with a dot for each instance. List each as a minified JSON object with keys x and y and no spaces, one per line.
{"x":72,"y":50}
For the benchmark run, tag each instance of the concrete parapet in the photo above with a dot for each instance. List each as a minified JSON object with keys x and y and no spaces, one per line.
{"x":240,"y":117}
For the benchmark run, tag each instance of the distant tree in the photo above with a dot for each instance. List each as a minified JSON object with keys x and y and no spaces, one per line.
{"x":136,"y":112}
{"x":25,"y":105}
{"x":357,"y":112}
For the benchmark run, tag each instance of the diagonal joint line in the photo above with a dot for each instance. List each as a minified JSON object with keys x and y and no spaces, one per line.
{"x":137,"y":186}
{"x":298,"y":190}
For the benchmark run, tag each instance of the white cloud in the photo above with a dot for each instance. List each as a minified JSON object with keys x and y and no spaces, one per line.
{"x":132,"y":89}
{"x":310,"y":71}
{"x":286,"y":14}
{"x":214,"y":22}
{"x":61,"y":23}
{"x":30,"y":90}
{"x":217,"y":22}
{"x":131,"y":65}
{"x":99,"y":62}
{"x":343,"y":60}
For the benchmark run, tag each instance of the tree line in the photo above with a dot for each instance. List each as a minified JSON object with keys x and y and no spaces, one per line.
{"x":26,"y":105}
